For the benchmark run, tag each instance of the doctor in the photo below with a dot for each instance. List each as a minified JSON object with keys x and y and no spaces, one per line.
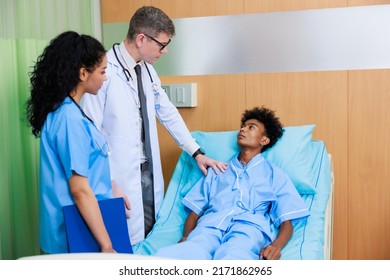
{"x":116,"y":111}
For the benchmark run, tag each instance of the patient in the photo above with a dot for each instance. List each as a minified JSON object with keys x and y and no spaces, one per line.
{"x":231,"y":213}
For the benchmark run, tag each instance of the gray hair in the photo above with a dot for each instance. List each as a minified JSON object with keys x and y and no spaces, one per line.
{"x":150,"y":20}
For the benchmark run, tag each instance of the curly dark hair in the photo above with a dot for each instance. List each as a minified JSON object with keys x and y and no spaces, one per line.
{"x":273,"y":127}
{"x":150,"y":20}
{"x":56,"y":73}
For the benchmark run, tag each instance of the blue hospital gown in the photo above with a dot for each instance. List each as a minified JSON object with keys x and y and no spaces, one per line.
{"x":69,"y":142}
{"x":244,"y":201}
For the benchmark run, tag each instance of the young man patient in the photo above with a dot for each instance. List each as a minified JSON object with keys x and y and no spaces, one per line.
{"x":231,"y":213}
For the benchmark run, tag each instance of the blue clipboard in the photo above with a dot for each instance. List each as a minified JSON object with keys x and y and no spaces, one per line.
{"x":80,"y":238}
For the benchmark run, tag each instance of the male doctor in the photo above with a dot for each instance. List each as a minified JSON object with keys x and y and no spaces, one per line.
{"x":116,"y":112}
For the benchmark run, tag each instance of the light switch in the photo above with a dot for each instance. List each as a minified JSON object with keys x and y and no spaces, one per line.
{"x":182,"y":95}
{"x":167,"y":89}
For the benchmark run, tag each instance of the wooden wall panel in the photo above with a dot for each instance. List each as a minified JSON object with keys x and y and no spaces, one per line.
{"x":120,"y":10}
{"x":267,"y":6}
{"x":369,"y":164}
{"x":352,"y":3}
{"x":199,"y":8}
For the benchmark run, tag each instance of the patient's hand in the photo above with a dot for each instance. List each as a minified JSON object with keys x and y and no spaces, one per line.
{"x":182,"y":239}
{"x":270,"y":252}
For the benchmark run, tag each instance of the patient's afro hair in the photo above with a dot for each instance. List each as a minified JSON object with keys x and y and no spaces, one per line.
{"x":273,"y":127}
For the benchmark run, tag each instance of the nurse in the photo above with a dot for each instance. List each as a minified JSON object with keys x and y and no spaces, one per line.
{"x":116,"y":111}
{"x":232,"y":214}
{"x":74,"y":166}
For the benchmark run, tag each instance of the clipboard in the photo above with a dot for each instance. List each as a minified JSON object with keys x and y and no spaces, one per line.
{"x":79,"y":236}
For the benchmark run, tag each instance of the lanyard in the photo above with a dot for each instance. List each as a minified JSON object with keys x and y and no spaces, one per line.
{"x":104,"y":153}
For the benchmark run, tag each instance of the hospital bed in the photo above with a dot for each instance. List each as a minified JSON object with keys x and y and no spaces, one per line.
{"x":305,"y":160}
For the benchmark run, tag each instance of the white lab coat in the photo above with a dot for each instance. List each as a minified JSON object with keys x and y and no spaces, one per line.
{"x":115,"y":113}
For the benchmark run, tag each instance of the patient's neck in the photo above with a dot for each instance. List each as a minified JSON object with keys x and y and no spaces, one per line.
{"x":246,"y":155}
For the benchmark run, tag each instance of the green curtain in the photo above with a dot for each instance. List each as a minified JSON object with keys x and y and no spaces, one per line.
{"x":26,"y":27}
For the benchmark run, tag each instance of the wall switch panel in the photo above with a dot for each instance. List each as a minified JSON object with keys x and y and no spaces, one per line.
{"x":182,"y":95}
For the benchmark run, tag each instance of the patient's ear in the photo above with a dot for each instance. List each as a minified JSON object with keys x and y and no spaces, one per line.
{"x":264,"y":141}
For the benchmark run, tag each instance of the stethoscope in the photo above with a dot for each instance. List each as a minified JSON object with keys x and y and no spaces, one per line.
{"x":127,"y":72}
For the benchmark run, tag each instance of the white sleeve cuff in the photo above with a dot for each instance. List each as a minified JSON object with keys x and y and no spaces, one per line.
{"x":190,"y":147}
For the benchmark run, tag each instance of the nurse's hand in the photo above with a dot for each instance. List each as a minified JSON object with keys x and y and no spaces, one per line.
{"x":204,"y":162}
{"x":107,"y":250}
{"x":117,"y":192}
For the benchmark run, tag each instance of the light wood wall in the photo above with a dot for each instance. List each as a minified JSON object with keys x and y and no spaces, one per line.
{"x":349,"y":109}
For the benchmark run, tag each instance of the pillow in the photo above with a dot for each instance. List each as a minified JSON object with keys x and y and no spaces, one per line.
{"x":292,"y":152}
{"x":218,"y":145}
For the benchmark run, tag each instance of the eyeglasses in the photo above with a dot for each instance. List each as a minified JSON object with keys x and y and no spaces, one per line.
{"x":158,"y":42}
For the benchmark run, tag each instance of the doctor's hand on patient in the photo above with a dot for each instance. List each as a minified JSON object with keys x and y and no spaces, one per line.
{"x":117,"y":192}
{"x":204,"y":162}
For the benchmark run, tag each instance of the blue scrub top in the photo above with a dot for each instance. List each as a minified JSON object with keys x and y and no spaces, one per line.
{"x":258,"y":193}
{"x":69,"y":142}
